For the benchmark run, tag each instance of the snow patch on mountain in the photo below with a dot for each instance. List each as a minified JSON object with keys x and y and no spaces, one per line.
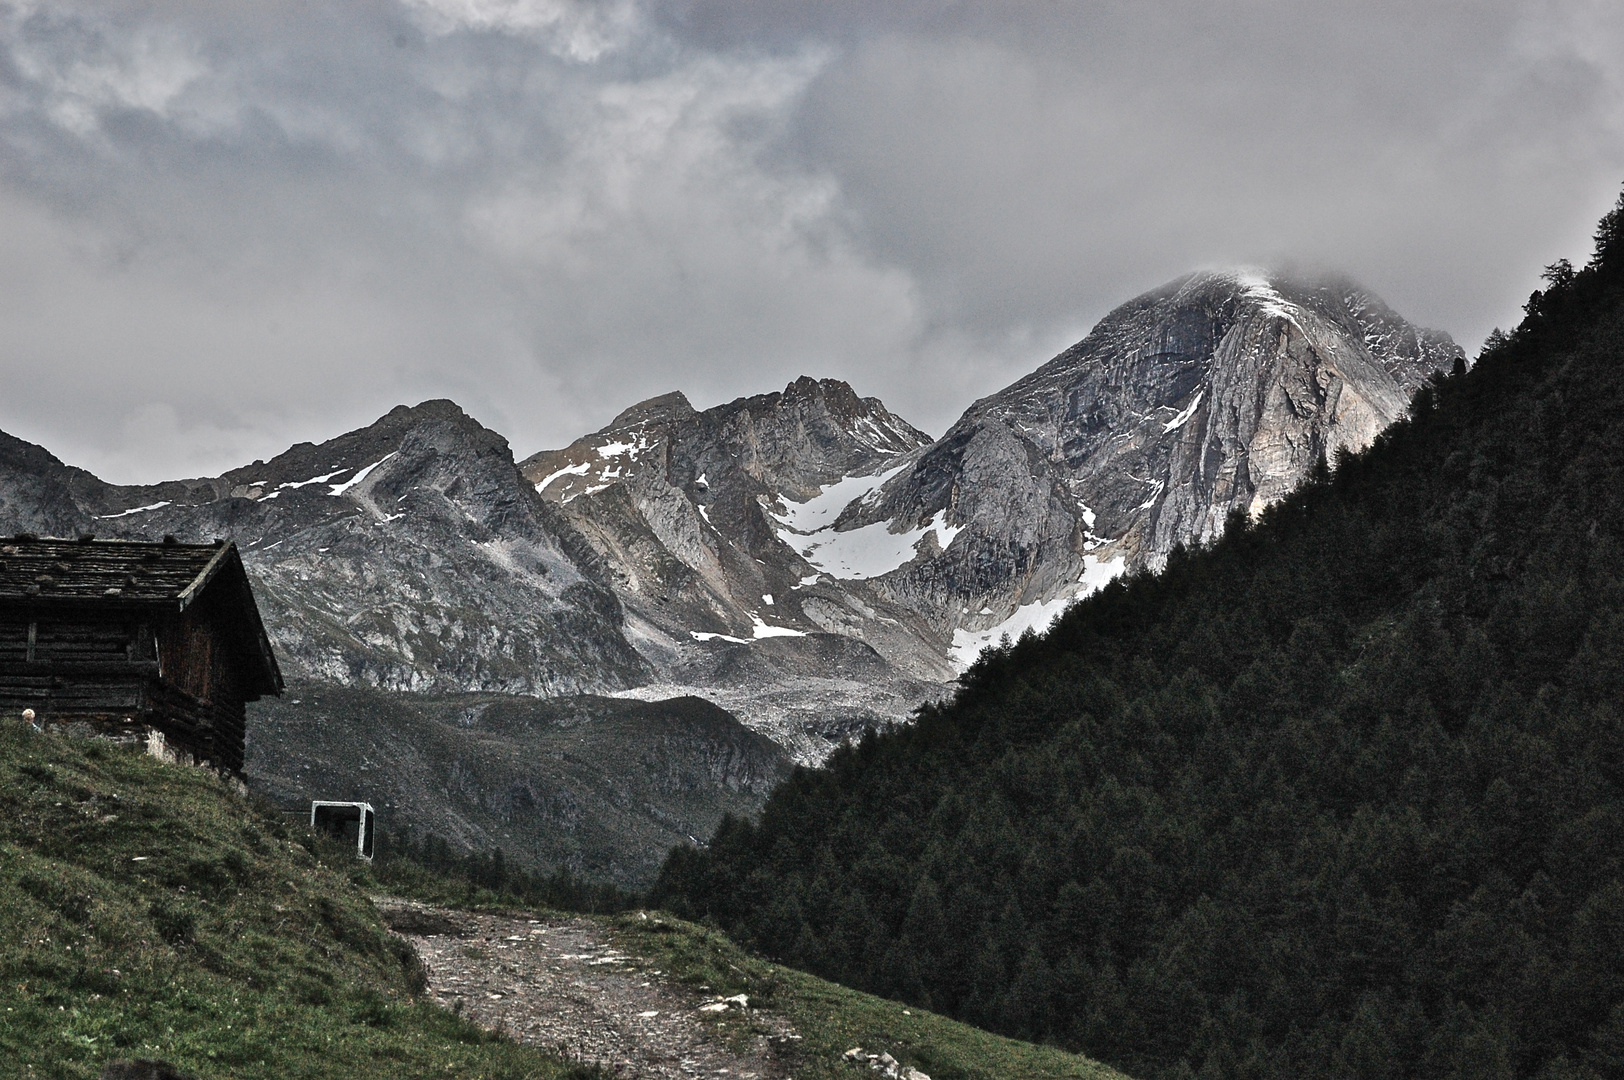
{"x":869,"y":551}
{"x":823,"y":508}
{"x":630,"y":449}
{"x":313,"y":480}
{"x":1259,"y":289}
{"x":852,"y":554}
{"x":579,"y":469}
{"x":1097,"y":573}
{"x":339,"y":489}
{"x":759,"y":630}
{"x":699,"y":635}
{"x":1174,"y":424}
{"x":132,"y":510}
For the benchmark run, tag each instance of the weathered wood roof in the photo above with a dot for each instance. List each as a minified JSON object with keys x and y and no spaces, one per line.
{"x":128,"y":571}
{"x":124,"y":574}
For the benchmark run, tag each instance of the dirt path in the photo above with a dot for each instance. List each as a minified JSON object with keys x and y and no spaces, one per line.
{"x":558,"y":982}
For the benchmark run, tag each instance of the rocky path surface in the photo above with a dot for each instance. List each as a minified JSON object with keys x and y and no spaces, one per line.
{"x":559,"y":982}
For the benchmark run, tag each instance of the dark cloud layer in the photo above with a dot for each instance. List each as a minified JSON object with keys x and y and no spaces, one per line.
{"x":227,"y":227}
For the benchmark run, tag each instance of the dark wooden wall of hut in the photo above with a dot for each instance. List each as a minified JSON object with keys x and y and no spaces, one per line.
{"x":196,"y":658}
{"x":57,"y":662}
{"x":180,"y":675}
{"x":48,"y":636}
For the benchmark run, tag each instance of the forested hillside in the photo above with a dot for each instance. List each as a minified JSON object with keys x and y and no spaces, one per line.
{"x":1340,"y":796}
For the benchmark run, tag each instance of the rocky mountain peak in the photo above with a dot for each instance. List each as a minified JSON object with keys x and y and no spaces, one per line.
{"x":1218,"y":391}
{"x":338,"y":464}
{"x":406,"y":555}
{"x":39,"y":494}
{"x":432,"y":409}
{"x":804,"y":556}
{"x":680,"y":509}
{"x":834,"y":395}
{"x":664,"y":409}
{"x":811,"y":433}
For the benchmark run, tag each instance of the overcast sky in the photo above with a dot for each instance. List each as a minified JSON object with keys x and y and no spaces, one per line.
{"x":229,"y":226}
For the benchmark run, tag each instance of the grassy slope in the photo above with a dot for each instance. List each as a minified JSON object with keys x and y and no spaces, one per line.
{"x":832,"y":1019}
{"x":146,"y":911}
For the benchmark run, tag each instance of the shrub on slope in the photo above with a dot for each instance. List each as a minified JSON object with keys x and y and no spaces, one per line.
{"x":1340,"y":796}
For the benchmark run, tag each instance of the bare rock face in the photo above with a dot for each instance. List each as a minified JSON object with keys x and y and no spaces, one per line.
{"x":407,"y":555}
{"x":681,"y":508}
{"x":804,"y":558}
{"x":787,"y":443}
{"x":817,"y":512}
{"x":677,"y":501}
{"x":1218,"y":392}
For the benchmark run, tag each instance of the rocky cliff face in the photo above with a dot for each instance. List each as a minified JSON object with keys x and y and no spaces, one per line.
{"x":1217,"y":392}
{"x":679,"y":506}
{"x":413,"y":555}
{"x":805,"y":558}
{"x":408,"y":555}
{"x":814,"y":511}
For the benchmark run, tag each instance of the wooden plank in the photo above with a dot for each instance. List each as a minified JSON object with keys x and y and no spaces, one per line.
{"x":83,"y":669}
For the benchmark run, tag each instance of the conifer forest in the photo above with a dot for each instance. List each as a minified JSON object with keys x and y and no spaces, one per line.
{"x":1341,"y":795}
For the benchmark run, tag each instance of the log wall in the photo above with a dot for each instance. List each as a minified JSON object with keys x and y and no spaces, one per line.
{"x":178,"y":676}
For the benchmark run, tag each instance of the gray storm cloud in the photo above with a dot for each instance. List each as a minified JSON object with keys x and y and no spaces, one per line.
{"x":228,"y":227}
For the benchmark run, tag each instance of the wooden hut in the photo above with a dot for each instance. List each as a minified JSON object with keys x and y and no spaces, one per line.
{"x":154,"y":642}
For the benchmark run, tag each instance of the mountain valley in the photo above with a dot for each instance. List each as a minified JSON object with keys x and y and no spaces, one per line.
{"x":596,"y":786}
{"x":805,"y":559}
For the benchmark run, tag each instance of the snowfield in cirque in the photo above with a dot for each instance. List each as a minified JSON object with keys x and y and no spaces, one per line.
{"x":867,"y":552}
{"x":820,"y":511}
{"x":853,"y":554}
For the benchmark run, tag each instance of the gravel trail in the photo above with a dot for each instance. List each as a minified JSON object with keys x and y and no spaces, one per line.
{"x":558,"y":982}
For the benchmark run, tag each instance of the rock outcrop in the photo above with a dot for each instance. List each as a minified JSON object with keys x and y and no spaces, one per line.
{"x":680,"y":507}
{"x":805,"y":559}
{"x":1218,"y":392}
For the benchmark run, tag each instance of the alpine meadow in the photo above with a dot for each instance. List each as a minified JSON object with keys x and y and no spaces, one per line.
{"x":1340,"y":794}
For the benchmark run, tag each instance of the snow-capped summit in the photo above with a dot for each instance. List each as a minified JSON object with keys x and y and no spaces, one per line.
{"x":689,"y":512}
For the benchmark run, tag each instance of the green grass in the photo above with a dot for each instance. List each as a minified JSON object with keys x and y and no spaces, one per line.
{"x":832,"y":1019}
{"x":148,"y":912}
